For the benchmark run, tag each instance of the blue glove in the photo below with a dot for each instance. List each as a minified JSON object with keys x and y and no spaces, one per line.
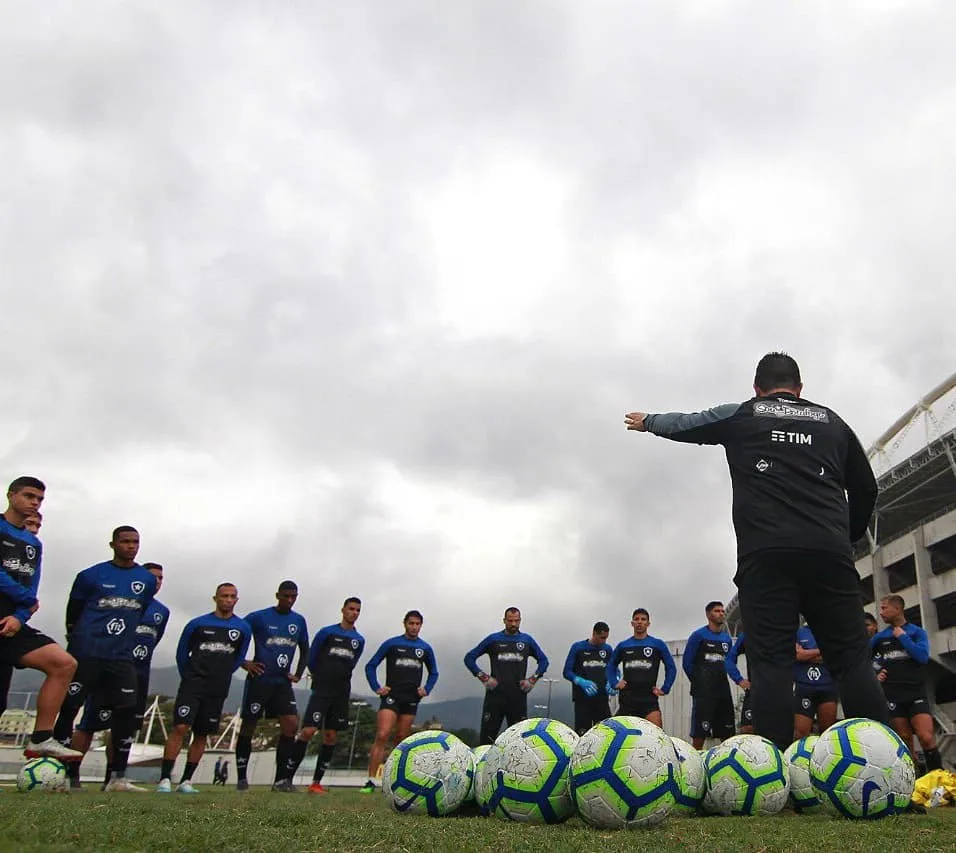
{"x":589,"y":687}
{"x":611,"y":690}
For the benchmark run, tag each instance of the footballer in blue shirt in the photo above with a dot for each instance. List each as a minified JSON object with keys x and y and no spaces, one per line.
{"x":901,"y":651}
{"x":815,"y":692}
{"x":406,"y":657}
{"x":586,"y":668}
{"x":507,"y":684}
{"x":106,"y":605}
{"x":21,"y":645}
{"x":333,"y":655}
{"x":278,"y":632}
{"x":712,"y":711}
{"x":733,"y":670}
{"x":209,"y":651}
{"x":640,"y":658}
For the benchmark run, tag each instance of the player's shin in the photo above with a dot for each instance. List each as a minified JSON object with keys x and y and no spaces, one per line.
{"x":283,"y":750}
{"x":243,"y":751}
{"x":323,"y":761}
{"x":294,"y":757}
{"x":124,"y":725}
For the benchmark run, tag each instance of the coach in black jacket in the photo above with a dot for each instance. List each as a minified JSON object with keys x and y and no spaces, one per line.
{"x":803,"y":493}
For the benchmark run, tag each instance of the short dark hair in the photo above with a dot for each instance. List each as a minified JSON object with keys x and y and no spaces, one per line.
{"x":640,"y":610}
{"x":225,"y":583}
{"x":869,"y":617}
{"x":512,"y":610}
{"x":413,"y":614}
{"x":352,"y":600}
{"x":152,"y":567}
{"x":601,"y":628}
{"x":25,"y":482}
{"x":777,"y":370}
{"x":288,"y":586}
{"x":895,"y":600}
{"x":123,"y":528}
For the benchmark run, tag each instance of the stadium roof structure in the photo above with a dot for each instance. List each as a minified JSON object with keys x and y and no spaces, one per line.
{"x":921,"y":487}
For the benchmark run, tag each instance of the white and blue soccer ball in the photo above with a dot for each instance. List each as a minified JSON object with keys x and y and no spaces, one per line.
{"x":692,"y":782}
{"x":476,"y":753}
{"x":429,"y":772}
{"x":746,"y":775}
{"x":484,"y":780}
{"x":625,"y":773}
{"x":527,"y":772}
{"x":802,"y":793}
{"x":42,"y":774}
{"x":862,"y":769}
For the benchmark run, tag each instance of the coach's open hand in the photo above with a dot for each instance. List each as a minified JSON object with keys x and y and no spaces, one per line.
{"x":635,"y":421}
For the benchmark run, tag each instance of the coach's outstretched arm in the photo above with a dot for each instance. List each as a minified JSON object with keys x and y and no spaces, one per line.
{"x":705,"y":427}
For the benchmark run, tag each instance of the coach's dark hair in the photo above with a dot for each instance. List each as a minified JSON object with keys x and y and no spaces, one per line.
{"x":712,"y":604}
{"x":352,"y":600}
{"x":895,"y":600}
{"x":601,"y":628}
{"x":640,"y":610}
{"x":288,"y":586}
{"x":225,"y":583}
{"x":777,"y":370}
{"x":123,"y":528}
{"x":25,"y":482}
{"x":413,"y":614}
{"x":512,"y":610}
{"x":152,"y":567}
{"x":869,"y":617}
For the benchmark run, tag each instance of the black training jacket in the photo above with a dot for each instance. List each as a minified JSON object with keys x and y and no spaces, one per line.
{"x":800,"y":476}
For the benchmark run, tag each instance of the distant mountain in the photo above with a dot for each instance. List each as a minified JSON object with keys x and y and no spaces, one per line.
{"x":453,"y":713}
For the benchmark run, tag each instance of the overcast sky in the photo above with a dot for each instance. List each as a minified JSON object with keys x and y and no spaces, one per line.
{"x":359,"y":293}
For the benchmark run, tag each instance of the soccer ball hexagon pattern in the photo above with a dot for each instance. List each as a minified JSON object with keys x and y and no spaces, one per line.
{"x":862,"y":769}
{"x":527,"y":772}
{"x":746,"y":775}
{"x":625,"y":773}
{"x":692,"y":780}
{"x":481,"y":799}
{"x":802,"y":793}
{"x":45,"y":774}
{"x":428,"y":772}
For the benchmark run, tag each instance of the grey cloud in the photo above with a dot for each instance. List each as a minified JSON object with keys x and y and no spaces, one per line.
{"x":219,"y":266}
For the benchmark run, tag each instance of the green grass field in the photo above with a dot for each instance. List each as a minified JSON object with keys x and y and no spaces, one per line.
{"x":223,"y":820}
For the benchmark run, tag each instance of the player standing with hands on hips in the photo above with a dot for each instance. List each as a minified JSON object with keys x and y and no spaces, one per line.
{"x":803,"y":492}
{"x":508,"y":685}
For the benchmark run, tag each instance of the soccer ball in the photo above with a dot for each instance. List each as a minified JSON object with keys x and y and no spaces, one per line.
{"x":428,"y":772}
{"x":862,"y":769}
{"x":477,"y":754}
{"x":45,"y":774}
{"x":484,"y":784}
{"x":625,"y":773}
{"x":746,"y":775}
{"x":692,"y":780}
{"x":802,"y":793}
{"x":528,"y":772}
